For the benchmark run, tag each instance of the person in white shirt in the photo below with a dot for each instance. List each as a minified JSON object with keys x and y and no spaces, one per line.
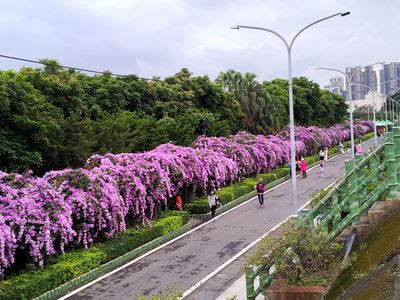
{"x":321,"y":155}
{"x":321,"y":170}
{"x":341,"y":150}
{"x":326,"y":154}
{"x":213,"y":201}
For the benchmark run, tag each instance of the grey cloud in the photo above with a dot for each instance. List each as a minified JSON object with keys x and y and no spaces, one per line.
{"x":160,"y":37}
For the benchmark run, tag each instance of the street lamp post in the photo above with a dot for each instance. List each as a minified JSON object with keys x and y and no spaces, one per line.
{"x":348,"y":79}
{"x":398,"y":109}
{"x":386,"y":104}
{"x":393,"y":102}
{"x":289,"y":46}
{"x":373,"y":110}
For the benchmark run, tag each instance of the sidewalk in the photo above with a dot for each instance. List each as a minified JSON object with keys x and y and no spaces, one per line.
{"x":188,"y":260}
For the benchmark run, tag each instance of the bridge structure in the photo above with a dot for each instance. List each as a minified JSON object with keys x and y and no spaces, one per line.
{"x":366,"y":180}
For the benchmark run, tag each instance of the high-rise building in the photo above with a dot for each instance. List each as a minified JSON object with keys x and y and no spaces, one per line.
{"x":336,"y":86}
{"x":336,"y":82}
{"x":390,"y":78}
{"x":357,"y":77}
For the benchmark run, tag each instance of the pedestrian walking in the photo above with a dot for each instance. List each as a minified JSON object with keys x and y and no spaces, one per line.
{"x":260,"y":192}
{"x":321,"y":170}
{"x":326,"y":154}
{"x":321,"y":155}
{"x":341,"y":150}
{"x":297,"y":166}
{"x":213,"y":201}
{"x":359,"y":149}
{"x":303,"y":167}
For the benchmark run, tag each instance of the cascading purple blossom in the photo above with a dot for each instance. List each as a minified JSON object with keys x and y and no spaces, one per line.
{"x":42,"y":216}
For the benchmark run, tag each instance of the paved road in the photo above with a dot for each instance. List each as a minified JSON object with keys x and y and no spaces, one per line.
{"x":191,"y":258}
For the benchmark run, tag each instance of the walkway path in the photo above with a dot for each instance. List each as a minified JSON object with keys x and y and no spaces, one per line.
{"x":189,"y":259}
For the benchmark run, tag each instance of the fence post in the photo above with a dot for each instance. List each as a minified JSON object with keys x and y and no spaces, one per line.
{"x":396,"y":133}
{"x":250,"y":283}
{"x":335,"y":207}
{"x":362,"y":193}
{"x":352,"y":190}
{"x":373,"y":168}
{"x":390,"y":165}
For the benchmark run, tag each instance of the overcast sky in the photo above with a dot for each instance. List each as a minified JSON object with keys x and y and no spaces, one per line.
{"x":159,"y":37}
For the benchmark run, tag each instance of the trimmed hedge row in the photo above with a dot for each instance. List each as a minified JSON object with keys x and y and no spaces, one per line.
{"x":62,"y":268}
{"x":227,"y":194}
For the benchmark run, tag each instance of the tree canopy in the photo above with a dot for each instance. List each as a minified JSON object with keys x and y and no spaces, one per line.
{"x":52,"y":118}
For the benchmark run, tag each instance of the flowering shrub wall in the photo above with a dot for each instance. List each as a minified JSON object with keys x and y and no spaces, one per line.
{"x":75,"y":207}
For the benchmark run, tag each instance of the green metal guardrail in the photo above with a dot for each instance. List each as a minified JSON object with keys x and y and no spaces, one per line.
{"x":365,"y":180}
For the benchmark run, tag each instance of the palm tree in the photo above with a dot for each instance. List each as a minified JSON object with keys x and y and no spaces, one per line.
{"x":261,"y":111}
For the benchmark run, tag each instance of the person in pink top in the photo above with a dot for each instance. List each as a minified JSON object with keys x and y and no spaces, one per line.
{"x":303,"y":167}
{"x":260,"y":192}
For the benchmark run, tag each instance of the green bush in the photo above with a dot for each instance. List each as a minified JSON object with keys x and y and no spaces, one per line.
{"x":333,"y":150}
{"x":302,"y":255}
{"x":250,"y":183}
{"x":198,"y":206}
{"x":62,"y":268}
{"x":367,"y":136}
{"x":280,"y":172}
{"x":268,"y":177}
{"x":226,"y":195}
{"x":241,"y":189}
{"x":309,"y":160}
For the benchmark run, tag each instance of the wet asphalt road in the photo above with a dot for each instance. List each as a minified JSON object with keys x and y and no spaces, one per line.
{"x":191,"y":258}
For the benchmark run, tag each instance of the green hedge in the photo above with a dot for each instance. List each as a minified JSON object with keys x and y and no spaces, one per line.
{"x":310,"y":160}
{"x":268,"y":177}
{"x":226,"y":195}
{"x":367,"y":136}
{"x":62,"y":268}
{"x":280,"y":172}
{"x":197,"y":206}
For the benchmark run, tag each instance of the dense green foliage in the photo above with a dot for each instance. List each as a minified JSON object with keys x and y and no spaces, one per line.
{"x":52,"y":118}
{"x":302,"y":255}
{"x":62,"y":268}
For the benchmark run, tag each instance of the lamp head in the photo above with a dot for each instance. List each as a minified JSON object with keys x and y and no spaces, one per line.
{"x":345,"y":13}
{"x":235,"y":27}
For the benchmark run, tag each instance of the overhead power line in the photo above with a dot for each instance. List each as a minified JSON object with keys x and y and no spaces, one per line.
{"x":68,"y":67}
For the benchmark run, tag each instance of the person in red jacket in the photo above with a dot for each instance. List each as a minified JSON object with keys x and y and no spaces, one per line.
{"x":260,"y":192}
{"x":178,"y":202}
{"x":303,"y":167}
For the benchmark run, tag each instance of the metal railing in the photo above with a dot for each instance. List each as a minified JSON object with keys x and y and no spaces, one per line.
{"x":365,"y":181}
